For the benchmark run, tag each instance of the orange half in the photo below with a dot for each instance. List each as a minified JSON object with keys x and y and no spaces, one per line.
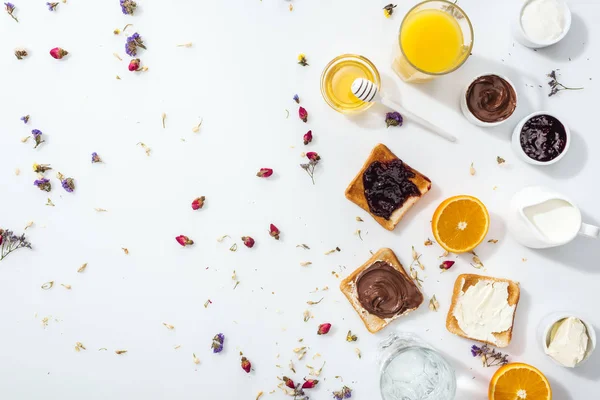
{"x":519,"y":381}
{"x":460,"y":223}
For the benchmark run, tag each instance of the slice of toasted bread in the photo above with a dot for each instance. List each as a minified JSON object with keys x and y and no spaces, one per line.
{"x":355,"y":192}
{"x":463,"y":282}
{"x":348,"y":287}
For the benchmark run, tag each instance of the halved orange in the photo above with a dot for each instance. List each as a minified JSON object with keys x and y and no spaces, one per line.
{"x":460,"y":223}
{"x":519,"y":381}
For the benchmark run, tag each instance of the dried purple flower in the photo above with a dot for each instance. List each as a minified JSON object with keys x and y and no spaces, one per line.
{"x":393,"y":119}
{"x":556,"y":86}
{"x":43,"y":184}
{"x":217,"y":343}
{"x":133,"y":42}
{"x":25,"y":119}
{"x":37,"y":137}
{"x":296,"y":98}
{"x":314,"y":159}
{"x":96,"y":158}
{"x":10,"y":242}
{"x":128,"y":6}
{"x":10,"y":9}
{"x":489,"y":357}
{"x":68,"y":184}
{"x":343,"y":393}
{"x":52,"y":6}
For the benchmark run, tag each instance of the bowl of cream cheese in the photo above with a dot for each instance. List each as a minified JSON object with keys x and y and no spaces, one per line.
{"x":542,"y":23}
{"x":567,"y":339}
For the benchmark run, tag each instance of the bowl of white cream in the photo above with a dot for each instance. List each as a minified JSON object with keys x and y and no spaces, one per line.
{"x":542,"y":23}
{"x":567,"y":339}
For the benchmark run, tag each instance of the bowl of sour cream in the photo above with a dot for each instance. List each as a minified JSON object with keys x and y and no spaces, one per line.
{"x":542,"y":23}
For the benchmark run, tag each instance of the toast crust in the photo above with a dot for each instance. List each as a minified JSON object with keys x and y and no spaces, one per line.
{"x":463,"y":282}
{"x":355,"y":192}
{"x":348,"y":286}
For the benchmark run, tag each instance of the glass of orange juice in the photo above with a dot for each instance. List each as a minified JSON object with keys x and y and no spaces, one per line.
{"x":435,"y":38}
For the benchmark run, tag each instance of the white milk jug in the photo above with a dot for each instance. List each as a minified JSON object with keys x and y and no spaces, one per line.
{"x":541,"y":218}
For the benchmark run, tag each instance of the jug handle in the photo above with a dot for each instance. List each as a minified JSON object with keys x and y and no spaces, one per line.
{"x":589,"y":230}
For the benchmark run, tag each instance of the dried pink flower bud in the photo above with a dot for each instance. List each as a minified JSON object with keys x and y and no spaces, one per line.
{"x":309,"y":383}
{"x":303,"y":114}
{"x":313,"y":156}
{"x":134,"y":65}
{"x":274,"y":232}
{"x":446,"y":264}
{"x":248,"y":241}
{"x":307,"y":137}
{"x":198,"y":203}
{"x":184,"y":240}
{"x":324,"y":329}
{"x":246,"y":365}
{"x":288,"y":382}
{"x":264,"y":172}
{"x":58,"y":53}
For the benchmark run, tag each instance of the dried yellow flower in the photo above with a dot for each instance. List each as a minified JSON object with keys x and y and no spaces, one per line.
{"x":66,"y":286}
{"x":79,"y":346}
{"x":168,"y":326}
{"x":28,"y":225}
{"x":312,"y":303}
{"x":25,"y":139}
{"x":259,"y":395}
{"x":117,"y":57}
{"x":125,"y":250}
{"x":196,"y":128}
{"x":48,"y":285}
{"x":472,"y":169}
{"x":17,"y":171}
{"x":493,"y":241}
{"x":195,"y":359}
{"x":146,"y":148}
{"x":188,"y":45}
{"x":500,"y":160}
{"x":222,"y":238}
{"x":163,"y":117}
{"x":120,"y":351}
{"x":359,"y":219}
{"x":306,"y":315}
{"x":100,"y":209}
{"x":428,"y":242}
{"x":433,"y":304}
{"x":357,"y":351}
{"x":305,"y":263}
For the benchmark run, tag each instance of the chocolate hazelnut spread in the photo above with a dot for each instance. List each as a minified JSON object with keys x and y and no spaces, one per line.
{"x":491,"y":98}
{"x":384,"y":291}
{"x":543,"y":138}
{"x":388,"y":186}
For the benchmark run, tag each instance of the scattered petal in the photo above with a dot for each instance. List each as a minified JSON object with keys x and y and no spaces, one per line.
{"x":433,"y":304}
{"x":472,"y":169}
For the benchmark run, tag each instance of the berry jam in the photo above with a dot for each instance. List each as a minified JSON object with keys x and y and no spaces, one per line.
{"x":543,"y":138}
{"x":388,"y":186}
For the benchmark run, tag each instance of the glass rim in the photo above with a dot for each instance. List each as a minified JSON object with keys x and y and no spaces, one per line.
{"x":337,"y":59}
{"x":470,"y":29}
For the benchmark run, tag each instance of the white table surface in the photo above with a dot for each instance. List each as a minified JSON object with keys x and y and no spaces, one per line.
{"x":240,"y":76}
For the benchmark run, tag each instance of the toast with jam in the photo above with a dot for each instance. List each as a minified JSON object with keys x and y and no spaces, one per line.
{"x":386,"y":187}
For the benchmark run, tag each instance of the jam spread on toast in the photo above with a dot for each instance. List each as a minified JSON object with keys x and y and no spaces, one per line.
{"x":387,"y":186}
{"x":384,"y":291}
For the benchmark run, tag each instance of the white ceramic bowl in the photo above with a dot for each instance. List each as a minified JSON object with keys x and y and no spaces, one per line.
{"x":516,"y":139}
{"x":548,"y":322}
{"x":525,"y":40}
{"x":469,"y":115}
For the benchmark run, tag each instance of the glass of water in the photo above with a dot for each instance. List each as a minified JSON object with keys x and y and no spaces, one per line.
{"x":413,"y":370}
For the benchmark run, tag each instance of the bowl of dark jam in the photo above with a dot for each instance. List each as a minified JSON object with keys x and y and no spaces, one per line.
{"x":541,"y":138}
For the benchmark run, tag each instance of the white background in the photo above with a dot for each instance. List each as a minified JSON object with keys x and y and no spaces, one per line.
{"x":240,"y":76}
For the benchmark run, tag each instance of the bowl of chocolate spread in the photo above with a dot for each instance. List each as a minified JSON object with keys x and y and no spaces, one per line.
{"x":489,"y":100}
{"x":541,"y":138}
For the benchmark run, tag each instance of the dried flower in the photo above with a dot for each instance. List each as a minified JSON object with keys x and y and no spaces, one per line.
{"x":134,"y":65}
{"x":58,"y":53}
{"x":274,"y":231}
{"x":307,"y":137}
{"x":195,"y":359}
{"x":168,"y":326}
{"x":303,"y":246}
{"x":489,"y":357}
{"x":305,"y":263}
{"x":472,"y":169}
{"x":41,"y":168}
{"x":82,"y":268}
{"x":343,"y":393}
{"x":145,"y":147}
{"x":433,"y":304}
{"x":233,"y":247}
{"x":288,"y":382}
{"x":303,"y":114}
{"x":20,"y":54}
{"x":79,"y":346}
{"x":302,"y":60}
{"x":49,"y":202}
{"x":25,"y":118}
{"x":196,"y":128}
{"x":494,"y":241}
{"x":350,"y":337}
{"x":198,"y":203}
{"x":389,"y":10}
{"x":476,"y":262}
{"x":324,"y":329}
{"x":43,"y":184}
{"x":48,"y":285}
{"x":556,"y":86}
{"x":66,"y":286}
{"x":296,"y":98}
{"x":500,"y":160}
{"x":10,"y":9}
{"x":309,"y":383}
{"x":314,"y":159}
{"x":52,"y":6}
{"x":393,"y":119}
{"x":446,"y":265}
{"x":217,"y":343}
{"x":125,"y":250}
{"x":184,"y":240}
{"x":37,"y":137}
{"x":133,"y":42}
{"x":120,"y":351}
{"x":96,"y":158}
{"x":248,"y":241}
{"x":246,"y":365}
{"x":428,"y":242}
{"x":264,"y":172}
{"x":128,"y":6}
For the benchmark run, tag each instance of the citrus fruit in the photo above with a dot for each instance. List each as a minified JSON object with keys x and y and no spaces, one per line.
{"x":519,"y":381}
{"x":460,"y":223}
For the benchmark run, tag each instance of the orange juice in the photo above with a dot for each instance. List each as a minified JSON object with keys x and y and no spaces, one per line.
{"x":432,"y":40}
